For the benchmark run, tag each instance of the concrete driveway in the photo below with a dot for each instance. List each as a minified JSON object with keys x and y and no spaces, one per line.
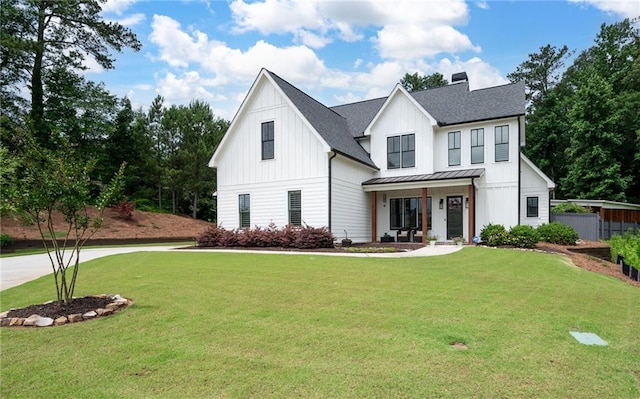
{"x":17,"y":270}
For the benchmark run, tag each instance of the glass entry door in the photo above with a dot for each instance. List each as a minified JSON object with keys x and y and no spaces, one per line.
{"x":454,"y":217}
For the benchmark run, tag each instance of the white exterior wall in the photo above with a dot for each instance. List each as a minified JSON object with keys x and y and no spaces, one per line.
{"x":497,"y":190}
{"x":300,"y":163}
{"x":401,"y":116}
{"x":533,"y":185}
{"x":351,"y":206}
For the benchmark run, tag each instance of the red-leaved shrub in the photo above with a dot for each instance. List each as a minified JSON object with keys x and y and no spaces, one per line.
{"x":305,"y":237}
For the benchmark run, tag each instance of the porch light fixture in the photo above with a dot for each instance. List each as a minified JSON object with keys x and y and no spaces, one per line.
{"x":441,"y":203}
{"x":466,"y":202}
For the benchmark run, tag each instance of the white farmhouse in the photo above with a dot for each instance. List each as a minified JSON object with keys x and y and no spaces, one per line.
{"x":442,"y":161}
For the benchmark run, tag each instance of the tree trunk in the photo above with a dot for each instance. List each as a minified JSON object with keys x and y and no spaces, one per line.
{"x":37,"y":91}
{"x":195,"y":205}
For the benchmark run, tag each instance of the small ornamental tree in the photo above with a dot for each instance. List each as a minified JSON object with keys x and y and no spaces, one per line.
{"x":51,"y":181}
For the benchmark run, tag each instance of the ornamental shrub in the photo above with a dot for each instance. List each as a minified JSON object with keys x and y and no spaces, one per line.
{"x":124,"y":209}
{"x":523,"y":236}
{"x":627,"y":246}
{"x":557,"y":233}
{"x":494,"y":235}
{"x":6,"y":240}
{"x":306,"y":237}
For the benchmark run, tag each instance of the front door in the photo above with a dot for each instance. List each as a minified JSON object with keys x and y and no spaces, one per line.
{"x":454,"y":217}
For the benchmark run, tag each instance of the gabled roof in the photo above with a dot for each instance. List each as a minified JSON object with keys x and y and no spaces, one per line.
{"x":360,"y":114}
{"x":454,"y":104}
{"x":330,"y":125}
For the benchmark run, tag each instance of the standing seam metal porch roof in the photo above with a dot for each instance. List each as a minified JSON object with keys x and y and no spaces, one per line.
{"x":445,"y":175}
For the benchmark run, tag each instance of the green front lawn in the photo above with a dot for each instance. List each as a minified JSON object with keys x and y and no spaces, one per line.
{"x":227,"y":325}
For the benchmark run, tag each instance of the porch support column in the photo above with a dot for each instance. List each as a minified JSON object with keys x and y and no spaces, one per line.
{"x":472,"y":213}
{"x":374,"y":217}
{"x":425,"y":228}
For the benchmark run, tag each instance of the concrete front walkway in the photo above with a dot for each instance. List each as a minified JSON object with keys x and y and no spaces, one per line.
{"x":17,"y":270}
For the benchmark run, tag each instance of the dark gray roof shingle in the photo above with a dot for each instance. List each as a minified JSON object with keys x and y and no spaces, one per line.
{"x":454,"y":103}
{"x":449,"y":105}
{"x":332,"y":126}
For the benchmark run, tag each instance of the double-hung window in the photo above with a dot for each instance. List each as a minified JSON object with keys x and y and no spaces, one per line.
{"x":401,"y":151}
{"x":502,"y":143}
{"x":532,"y":207}
{"x":244,"y":207}
{"x":477,"y":145}
{"x":267,"y":140}
{"x":295,"y":208}
{"x":454,"y":148}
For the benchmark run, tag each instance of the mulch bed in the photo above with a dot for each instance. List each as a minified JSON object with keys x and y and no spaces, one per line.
{"x":587,"y":262}
{"x":59,"y":309}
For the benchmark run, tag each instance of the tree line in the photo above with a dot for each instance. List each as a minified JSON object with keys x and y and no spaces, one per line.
{"x":583,"y":120}
{"x":46,"y":101}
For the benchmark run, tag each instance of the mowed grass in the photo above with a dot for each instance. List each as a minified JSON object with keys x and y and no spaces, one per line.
{"x":208,"y":325}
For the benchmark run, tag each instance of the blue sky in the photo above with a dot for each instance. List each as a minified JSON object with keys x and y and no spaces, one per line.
{"x":336,"y":51}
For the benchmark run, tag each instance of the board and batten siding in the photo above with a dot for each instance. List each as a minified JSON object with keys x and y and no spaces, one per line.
{"x":402,"y":116}
{"x":350,"y":205}
{"x":533,"y":185}
{"x":300,"y":163}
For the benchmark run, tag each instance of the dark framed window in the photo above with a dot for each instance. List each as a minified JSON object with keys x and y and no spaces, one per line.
{"x":267,"y":140}
{"x":406,"y":213}
{"x":477,"y":145}
{"x":244,"y":206}
{"x":401,"y":151}
{"x":454,"y":148}
{"x":502,"y":143}
{"x":295,"y":208}
{"x":532,"y":207}
{"x":408,"y":150}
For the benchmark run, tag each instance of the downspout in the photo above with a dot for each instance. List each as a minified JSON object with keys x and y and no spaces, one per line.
{"x":475,"y":209}
{"x":330,"y":159}
{"x":519,"y":171}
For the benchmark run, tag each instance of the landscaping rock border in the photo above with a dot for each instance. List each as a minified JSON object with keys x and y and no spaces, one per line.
{"x":117,"y":304}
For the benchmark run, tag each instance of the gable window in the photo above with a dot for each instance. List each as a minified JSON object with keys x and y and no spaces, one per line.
{"x":401,"y":151}
{"x":502,"y":143}
{"x":244,"y":210}
{"x":406,"y":213}
{"x":267,"y":140}
{"x":532,"y":207}
{"x":454,"y":148}
{"x":295,"y":208}
{"x":477,"y":145}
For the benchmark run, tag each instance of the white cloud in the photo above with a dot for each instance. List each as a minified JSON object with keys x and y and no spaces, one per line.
{"x":623,"y":8}
{"x":483,"y":5}
{"x":190,"y":86}
{"x":405,"y":28}
{"x":117,"y":7}
{"x":416,"y":41}
{"x":228,"y":65}
{"x":357,"y":63}
{"x":132,"y":20}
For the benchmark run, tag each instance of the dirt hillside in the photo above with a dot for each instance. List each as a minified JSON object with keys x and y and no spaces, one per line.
{"x":143,"y":225}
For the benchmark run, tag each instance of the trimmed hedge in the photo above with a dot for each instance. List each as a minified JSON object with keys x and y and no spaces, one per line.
{"x":557,"y":233}
{"x":494,"y":235}
{"x":523,"y":236}
{"x":305,"y":237}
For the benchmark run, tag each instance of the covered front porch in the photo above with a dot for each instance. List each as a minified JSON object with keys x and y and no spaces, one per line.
{"x":419,"y":207}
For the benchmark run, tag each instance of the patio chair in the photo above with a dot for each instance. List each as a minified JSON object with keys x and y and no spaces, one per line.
{"x":403,"y":235}
{"x":417,"y":235}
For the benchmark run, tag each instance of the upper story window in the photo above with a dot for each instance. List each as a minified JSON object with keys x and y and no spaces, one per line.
{"x":454,"y":148}
{"x":401,"y":151}
{"x":295,"y":208}
{"x":267,"y":140}
{"x":502,"y":143}
{"x":244,"y":206}
{"x":477,"y":145}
